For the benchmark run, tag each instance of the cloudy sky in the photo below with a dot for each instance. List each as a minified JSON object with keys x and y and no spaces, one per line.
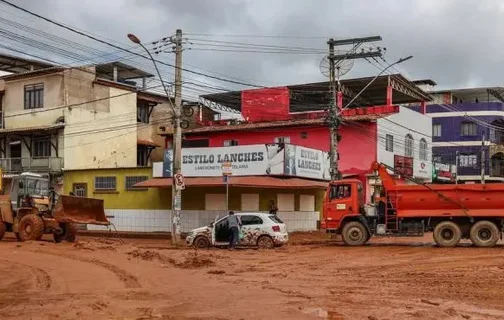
{"x":457,"y":43}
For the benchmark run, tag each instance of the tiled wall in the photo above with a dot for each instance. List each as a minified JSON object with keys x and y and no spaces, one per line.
{"x":160,"y":220}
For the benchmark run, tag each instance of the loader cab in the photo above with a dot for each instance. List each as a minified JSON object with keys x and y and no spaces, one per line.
{"x":29,"y":184}
{"x":343,"y":198}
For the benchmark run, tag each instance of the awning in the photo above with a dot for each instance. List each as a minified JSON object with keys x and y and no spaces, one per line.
{"x":242,"y":181}
{"x":147,"y":143}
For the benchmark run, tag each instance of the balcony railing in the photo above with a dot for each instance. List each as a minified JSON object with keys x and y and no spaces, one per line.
{"x":34,"y":164}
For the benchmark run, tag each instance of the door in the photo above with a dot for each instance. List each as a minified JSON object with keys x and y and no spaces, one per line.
{"x":252,"y":228}
{"x":339,"y":204}
{"x":221,"y":232}
{"x":15,"y":155}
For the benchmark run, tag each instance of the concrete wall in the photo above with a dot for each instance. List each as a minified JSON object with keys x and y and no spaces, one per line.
{"x":399,"y":125}
{"x":13,"y":102}
{"x":102,"y":135}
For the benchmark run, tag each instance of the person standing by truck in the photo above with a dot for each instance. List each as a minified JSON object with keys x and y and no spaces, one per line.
{"x":234,"y":224}
{"x":273,"y":209}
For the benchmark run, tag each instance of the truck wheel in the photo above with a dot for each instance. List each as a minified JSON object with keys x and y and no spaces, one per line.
{"x":447,"y":234}
{"x":3,"y":229}
{"x":31,"y":227}
{"x":484,"y":234}
{"x":354,"y":234}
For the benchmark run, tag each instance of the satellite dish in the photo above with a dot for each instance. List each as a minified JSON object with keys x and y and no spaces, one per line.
{"x":342,"y":66}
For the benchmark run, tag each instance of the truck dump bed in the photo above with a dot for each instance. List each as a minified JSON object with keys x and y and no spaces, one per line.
{"x":430,"y":200}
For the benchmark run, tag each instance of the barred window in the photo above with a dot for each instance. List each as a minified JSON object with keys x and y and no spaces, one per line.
{"x":34,"y":96}
{"x":408,"y":146}
{"x":132,"y":180}
{"x":41,"y":147}
{"x":105,"y":183}
{"x":423,"y":152}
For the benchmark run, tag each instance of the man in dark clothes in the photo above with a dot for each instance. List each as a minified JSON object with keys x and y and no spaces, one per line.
{"x":234,"y":224}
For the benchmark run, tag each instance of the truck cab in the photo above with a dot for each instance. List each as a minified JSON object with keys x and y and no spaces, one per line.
{"x":344,"y":201}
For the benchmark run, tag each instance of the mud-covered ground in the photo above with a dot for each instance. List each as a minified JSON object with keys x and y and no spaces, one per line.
{"x":312,"y":278}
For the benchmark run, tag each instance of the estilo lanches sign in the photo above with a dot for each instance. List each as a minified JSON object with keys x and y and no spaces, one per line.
{"x":261,"y":159}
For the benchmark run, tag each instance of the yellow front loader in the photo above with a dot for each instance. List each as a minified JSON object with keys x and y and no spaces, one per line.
{"x":32,"y":209}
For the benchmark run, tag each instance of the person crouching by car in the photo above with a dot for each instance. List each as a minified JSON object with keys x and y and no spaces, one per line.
{"x":234,"y":224}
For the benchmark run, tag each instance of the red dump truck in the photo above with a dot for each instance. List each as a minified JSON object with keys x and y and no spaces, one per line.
{"x":451,"y":212}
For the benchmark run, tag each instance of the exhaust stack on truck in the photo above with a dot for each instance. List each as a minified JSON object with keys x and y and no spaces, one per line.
{"x":451,"y":212}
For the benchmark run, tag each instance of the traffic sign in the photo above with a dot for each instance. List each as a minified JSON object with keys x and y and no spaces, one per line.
{"x":227,"y":168}
{"x":179,"y":182}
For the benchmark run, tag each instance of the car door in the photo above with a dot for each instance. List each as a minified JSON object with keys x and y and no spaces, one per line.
{"x":251,"y":229}
{"x":220,"y":234}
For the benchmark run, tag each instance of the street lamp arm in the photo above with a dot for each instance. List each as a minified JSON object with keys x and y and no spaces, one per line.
{"x":134,"y":39}
{"x":376,"y":77}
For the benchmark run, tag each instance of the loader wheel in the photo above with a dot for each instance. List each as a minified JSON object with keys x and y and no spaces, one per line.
{"x":68,"y":234}
{"x":354,"y":234}
{"x":3,"y":229}
{"x":447,"y":234}
{"x":484,"y":234}
{"x":71,"y":232}
{"x":31,"y":227}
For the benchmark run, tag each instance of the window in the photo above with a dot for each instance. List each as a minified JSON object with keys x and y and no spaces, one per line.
{"x":41,"y":147}
{"x":132,"y":180}
{"x":80,"y":189}
{"x":275,"y":218}
{"x":105,"y":183}
{"x":142,"y":156}
{"x":250,"y":220}
{"x":282,"y":140}
{"x":341,"y":191}
{"x":423,"y":150}
{"x":389,"y":143}
{"x":408,"y":146}
{"x":34,"y":96}
{"x":436,"y":130}
{"x":196,"y":143}
{"x":468,"y":129}
{"x":142,"y":113}
{"x":229,"y":143}
{"x":468,"y":160}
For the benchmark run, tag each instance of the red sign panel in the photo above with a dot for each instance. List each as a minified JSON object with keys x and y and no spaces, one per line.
{"x":403,"y":165}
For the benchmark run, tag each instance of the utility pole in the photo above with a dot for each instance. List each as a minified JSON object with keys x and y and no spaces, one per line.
{"x":177,"y":138}
{"x":333,"y":115}
{"x":483,"y":157}
{"x":336,"y":99}
{"x":456,"y":166}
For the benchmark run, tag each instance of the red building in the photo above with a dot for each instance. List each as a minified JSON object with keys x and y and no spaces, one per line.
{"x":296,"y":114}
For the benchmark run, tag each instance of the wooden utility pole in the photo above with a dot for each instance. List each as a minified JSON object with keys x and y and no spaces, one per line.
{"x":177,"y":138}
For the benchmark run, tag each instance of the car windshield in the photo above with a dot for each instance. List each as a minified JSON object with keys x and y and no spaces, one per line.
{"x":275,"y":218}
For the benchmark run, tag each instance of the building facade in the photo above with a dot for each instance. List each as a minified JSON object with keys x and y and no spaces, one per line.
{"x":468,"y":132}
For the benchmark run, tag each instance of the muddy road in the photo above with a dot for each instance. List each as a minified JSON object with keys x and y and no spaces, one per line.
{"x":313,"y":278}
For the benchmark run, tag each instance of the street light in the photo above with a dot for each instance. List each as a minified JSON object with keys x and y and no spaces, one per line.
{"x":177,"y":132}
{"x":136,"y":40}
{"x":376,"y":77}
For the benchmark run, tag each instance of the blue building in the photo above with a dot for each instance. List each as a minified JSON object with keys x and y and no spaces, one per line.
{"x":468,"y":124}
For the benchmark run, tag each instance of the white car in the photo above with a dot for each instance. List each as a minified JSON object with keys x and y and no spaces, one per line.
{"x":264,"y":230}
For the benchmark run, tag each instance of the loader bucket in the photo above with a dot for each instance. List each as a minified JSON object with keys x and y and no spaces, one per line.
{"x":70,"y":209}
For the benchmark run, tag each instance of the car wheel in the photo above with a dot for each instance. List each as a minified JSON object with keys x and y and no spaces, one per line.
{"x":265,"y":242}
{"x":201,"y":242}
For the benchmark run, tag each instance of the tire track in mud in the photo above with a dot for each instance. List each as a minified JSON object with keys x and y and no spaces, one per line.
{"x":43,"y":280}
{"x":129,"y":280}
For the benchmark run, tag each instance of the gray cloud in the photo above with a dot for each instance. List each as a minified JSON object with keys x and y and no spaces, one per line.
{"x":456,"y":43}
